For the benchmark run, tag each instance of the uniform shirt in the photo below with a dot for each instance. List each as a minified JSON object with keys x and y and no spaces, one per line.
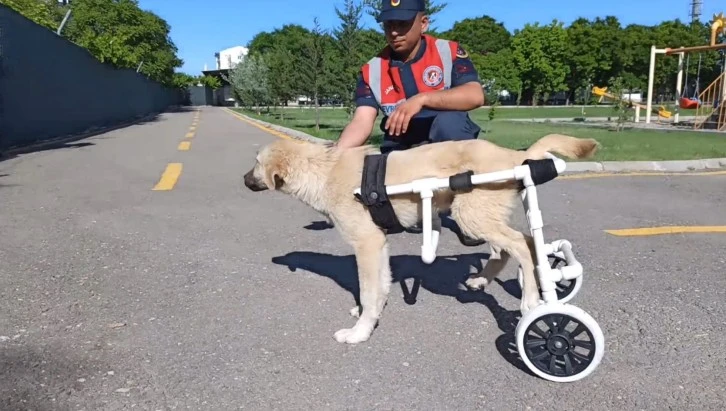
{"x":462,"y":69}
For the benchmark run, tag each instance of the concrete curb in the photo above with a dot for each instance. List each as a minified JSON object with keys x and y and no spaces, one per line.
{"x":572,"y":166}
{"x":299,"y":135}
{"x":93,"y":131}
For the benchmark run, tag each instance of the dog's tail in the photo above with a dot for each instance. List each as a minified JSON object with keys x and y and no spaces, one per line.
{"x":571,"y":147}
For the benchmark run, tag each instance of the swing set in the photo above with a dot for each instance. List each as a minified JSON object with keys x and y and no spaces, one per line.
{"x":693,"y":101}
{"x":718,"y":25}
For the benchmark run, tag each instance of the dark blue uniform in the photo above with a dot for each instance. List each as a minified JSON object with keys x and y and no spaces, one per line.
{"x":429,"y":125}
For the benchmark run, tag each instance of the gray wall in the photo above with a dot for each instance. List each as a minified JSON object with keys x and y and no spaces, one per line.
{"x":50,"y":87}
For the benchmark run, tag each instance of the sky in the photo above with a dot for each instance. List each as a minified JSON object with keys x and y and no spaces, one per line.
{"x":199,"y":30}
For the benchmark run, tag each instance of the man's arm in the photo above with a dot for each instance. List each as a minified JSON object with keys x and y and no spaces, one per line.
{"x":359,"y":129}
{"x":466,"y":92}
{"x":364,"y":117}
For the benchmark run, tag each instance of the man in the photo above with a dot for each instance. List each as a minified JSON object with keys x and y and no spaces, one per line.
{"x":424,"y":86}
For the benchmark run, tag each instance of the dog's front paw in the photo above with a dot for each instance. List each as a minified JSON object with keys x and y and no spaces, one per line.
{"x":476,"y":283}
{"x":353,"y":335}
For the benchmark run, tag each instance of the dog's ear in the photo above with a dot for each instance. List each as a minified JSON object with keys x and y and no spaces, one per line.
{"x":275,"y":173}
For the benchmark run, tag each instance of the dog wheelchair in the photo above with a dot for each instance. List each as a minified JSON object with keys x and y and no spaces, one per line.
{"x":554,"y":351}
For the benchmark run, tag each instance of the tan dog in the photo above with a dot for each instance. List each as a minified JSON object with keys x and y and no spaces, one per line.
{"x":324,"y":177}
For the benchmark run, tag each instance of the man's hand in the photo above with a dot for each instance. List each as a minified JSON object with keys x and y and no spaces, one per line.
{"x":397,"y":123}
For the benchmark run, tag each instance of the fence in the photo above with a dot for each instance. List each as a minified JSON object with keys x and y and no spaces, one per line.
{"x":50,"y":87}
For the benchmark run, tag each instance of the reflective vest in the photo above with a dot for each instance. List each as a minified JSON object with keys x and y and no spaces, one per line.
{"x":431,"y":72}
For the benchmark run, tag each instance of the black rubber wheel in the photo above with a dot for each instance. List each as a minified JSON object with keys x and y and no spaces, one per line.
{"x":552,"y":345}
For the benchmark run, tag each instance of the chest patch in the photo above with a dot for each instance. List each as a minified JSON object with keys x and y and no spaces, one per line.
{"x":433,"y":76}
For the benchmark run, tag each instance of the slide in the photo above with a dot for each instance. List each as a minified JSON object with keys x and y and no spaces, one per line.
{"x":602,"y":92}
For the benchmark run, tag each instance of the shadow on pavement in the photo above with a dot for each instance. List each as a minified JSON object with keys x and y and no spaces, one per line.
{"x":33,"y":378}
{"x":62,"y":142}
{"x":445,"y":276}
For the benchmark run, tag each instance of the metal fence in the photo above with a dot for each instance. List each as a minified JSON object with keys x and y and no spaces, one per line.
{"x":50,"y":87}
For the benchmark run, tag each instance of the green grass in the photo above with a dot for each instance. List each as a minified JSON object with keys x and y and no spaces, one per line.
{"x":627,"y":145}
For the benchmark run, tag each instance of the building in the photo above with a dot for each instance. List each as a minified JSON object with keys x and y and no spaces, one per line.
{"x":228,"y":58}
{"x":225,"y":61}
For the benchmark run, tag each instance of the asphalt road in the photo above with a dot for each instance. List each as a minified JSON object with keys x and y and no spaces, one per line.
{"x":208,"y":296}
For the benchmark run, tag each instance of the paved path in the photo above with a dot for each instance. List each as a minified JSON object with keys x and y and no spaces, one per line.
{"x":113,"y":295}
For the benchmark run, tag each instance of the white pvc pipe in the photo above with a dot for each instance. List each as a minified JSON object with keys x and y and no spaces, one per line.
{"x":678,"y":87}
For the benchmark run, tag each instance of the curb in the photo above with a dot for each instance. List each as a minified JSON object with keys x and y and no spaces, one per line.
{"x":298,"y":135}
{"x":572,"y":166}
{"x":45,"y":144}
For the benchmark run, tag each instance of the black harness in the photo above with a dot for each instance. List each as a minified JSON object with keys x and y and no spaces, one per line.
{"x":373,"y":193}
{"x":373,"y":187}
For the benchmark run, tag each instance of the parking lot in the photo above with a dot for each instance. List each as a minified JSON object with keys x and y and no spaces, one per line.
{"x":140,"y":272}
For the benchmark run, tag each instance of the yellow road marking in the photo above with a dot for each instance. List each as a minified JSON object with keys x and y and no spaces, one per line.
{"x":261,"y":127}
{"x":189,"y":134}
{"x":641,"y":174}
{"x":185,"y":146}
{"x":169,"y":177}
{"x":193,"y":128}
{"x":647,"y":231}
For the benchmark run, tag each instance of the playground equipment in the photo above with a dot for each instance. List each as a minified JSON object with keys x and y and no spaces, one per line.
{"x":710,"y":102}
{"x":602,"y":92}
{"x":549,"y":337}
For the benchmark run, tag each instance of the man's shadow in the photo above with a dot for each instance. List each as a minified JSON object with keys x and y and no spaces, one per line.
{"x":446,"y":276}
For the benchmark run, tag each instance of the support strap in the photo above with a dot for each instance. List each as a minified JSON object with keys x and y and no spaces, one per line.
{"x":461,"y":181}
{"x":542,"y":171}
{"x":373,"y":193}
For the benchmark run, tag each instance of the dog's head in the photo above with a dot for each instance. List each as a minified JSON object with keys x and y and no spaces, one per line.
{"x":272,"y":167}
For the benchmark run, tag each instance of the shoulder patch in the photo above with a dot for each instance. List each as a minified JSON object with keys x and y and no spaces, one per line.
{"x":461,"y":53}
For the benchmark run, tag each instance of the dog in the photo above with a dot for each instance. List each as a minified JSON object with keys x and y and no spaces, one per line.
{"x":324,"y":177}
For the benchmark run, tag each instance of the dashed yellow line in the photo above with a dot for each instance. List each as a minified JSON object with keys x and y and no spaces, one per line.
{"x":184,"y":146}
{"x":169,"y":177}
{"x":649,"y":231}
{"x":260,"y":126}
{"x":189,"y":134}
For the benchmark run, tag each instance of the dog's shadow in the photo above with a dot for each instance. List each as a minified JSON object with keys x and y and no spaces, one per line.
{"x":446,"y":276}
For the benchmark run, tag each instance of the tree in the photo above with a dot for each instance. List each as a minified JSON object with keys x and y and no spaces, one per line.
{"x":282,"y":74}
{"x":498,"y":72}
{"x":595,"y":53}
{"x":45,"y":13}
{"x":349,"y":42}
{"x":480,"y":35}
{"x":249,"y":81}
{"x":316,"y":68}
{"x":540,"y":52}
{"x":373,"y":8}
{"x":120,"y":33}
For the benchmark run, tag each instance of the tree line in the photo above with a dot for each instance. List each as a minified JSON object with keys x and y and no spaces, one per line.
{"x":532,"y":63}
{"x":117,"y":32}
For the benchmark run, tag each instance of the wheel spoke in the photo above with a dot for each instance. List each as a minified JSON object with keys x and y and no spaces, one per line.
{"x":564,"y":322}
{"x":568,"y":363}
{"x":579,"y":330}
{"x":550,"y":323}
{"x":541,"y":333}
{"x":580,"y":357}
{"x":583,"y":344}
{"x":542,"y":354}
{"x":536,"y":342}
{"x":553,"y":365}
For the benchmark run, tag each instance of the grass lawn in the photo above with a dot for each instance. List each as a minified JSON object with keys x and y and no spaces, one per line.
{"x":632,"y":144}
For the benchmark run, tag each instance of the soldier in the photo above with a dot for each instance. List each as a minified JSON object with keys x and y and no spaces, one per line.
{"x":423,"y":85}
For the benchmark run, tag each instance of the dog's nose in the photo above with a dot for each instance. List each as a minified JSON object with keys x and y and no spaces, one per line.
{"x":248,"y":179}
